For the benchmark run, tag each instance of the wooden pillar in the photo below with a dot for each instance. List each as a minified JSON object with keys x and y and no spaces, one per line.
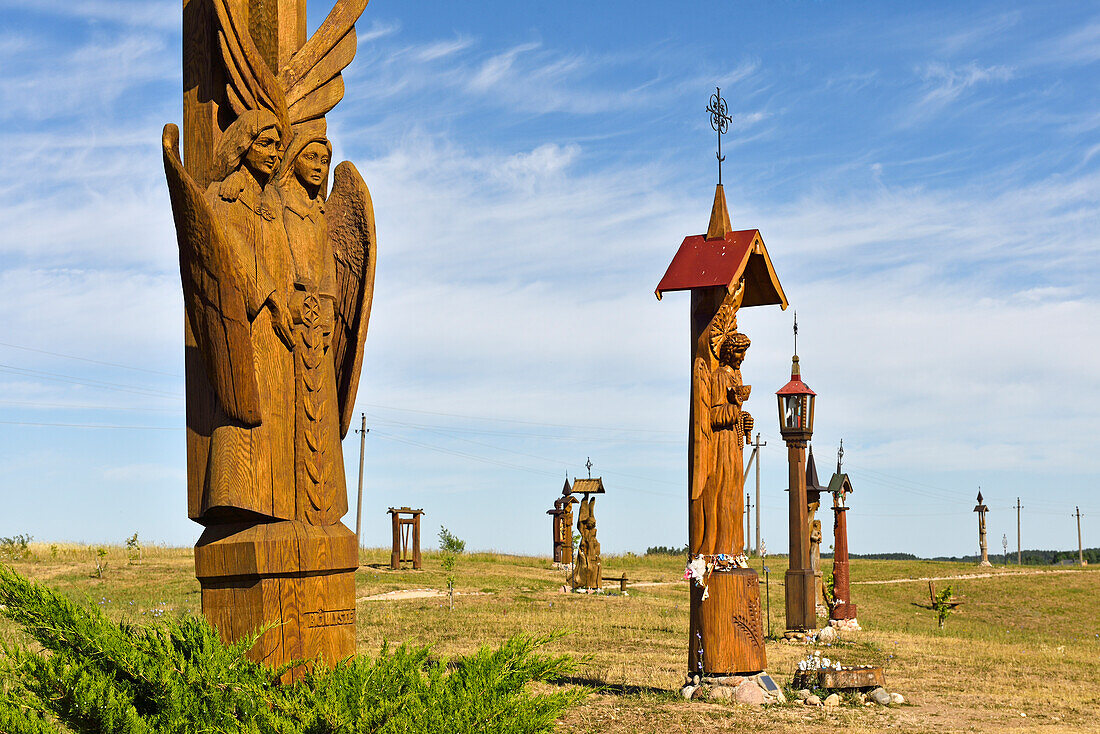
{"x":395,"y":553}
{"x":844,"y":609}
{"x":799,"y":579}
{"x":416,"y":541}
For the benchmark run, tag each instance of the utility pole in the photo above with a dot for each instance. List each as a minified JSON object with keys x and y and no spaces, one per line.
{"x":1019,"y":553}
{"x":748,"y":509}
{"x":359,"y":502}
{"x":1080,"y":551}
{"x":756,"y":457}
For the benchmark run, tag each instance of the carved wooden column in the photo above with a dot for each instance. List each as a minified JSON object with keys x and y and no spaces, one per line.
{"x":267,"y":483}
{"x":416,"y":541}
{"x":796,"y":413}
{"x":395,"y":553}
{"x":844,"y":608}
{"x":981,"y":509}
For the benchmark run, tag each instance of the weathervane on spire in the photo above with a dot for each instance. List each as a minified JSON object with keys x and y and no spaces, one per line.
{"x":719,"y":122}
{"x":588,"y":464}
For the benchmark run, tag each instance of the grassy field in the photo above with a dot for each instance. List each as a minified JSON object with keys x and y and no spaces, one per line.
{"x":1022,"y":653}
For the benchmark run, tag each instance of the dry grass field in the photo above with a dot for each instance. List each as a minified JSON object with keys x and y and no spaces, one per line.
{"x":1022,"y":653}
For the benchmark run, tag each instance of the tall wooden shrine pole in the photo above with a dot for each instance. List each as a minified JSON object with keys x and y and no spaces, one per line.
{"x":981,"y":509}
{"x":725,"y":270}
{"x":796,"y":422}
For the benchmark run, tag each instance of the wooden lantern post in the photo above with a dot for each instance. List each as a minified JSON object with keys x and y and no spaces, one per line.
{"x":725,"y":270}
{"x":796,"y":424}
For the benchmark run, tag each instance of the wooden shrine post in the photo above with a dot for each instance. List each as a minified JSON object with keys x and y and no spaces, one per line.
{"x":563,"y":525}
{"x":725,"y":270}
{"x":588,"y":571}
{"x":796,"y":418}
{"x":841,"y":487}
{"x":277,"y":266}
{"x":406,"y":536}
{"x":981,"y":509}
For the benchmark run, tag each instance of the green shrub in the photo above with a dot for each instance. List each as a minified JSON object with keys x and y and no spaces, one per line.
{"x":16,"y":547}
{"x":89,"y":674}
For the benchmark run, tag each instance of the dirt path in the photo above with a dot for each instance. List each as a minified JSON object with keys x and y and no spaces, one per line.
{"x":969,"y":576}
{"x":416,"y":594}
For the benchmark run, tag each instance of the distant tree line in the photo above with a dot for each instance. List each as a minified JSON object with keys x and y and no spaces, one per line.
{"x":879,"y":556}
{"x":1033,"y":557}
{"x":660,"y":550}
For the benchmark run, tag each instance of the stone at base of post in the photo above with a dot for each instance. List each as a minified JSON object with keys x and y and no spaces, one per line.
{"x":299,"y":577}
{"x":985,"y":563}
{"x":727,"y":629}
{"x":801,"y":607}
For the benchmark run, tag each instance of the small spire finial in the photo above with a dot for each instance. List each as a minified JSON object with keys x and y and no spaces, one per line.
{"x":719,"y":122}
{"x":840,"y":457}
{"x":796,"y":333}
{"x":588,"y":465}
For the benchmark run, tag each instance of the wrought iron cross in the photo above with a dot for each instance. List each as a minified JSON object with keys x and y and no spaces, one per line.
{"x":720,"y":123}
{"x":840,"y":457}
{"x":588,"y":464}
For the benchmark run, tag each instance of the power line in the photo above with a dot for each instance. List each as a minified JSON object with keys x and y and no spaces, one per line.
{"x":92,"y":361}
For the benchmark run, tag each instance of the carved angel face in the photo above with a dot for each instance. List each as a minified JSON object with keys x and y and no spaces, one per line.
{"x":311,"y":166}
{"x":265,"y":152}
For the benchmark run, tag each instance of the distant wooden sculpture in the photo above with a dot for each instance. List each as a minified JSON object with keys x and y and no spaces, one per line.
{"x":588,"y":571}
{"x":981,"y":509}
{"x":843,"y":607}
{"x":406,"y":537}
{"x":563,"y":526}
{"x":278,"y":279}
{"x":813,"y":525}
{"x":725,"y":270}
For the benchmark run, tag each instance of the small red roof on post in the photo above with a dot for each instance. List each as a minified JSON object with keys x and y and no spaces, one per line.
{"x":722,"y":257}
{"x":796,"y":386}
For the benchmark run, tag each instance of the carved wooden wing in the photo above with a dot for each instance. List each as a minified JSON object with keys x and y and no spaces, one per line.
{"x":349,"y":215}
{"x":312,"y":76}
{"x":250,"y":83}
{"x":213,"y":296}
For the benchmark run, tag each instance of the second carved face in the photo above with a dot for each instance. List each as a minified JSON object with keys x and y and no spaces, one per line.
{"x":311,"y":166}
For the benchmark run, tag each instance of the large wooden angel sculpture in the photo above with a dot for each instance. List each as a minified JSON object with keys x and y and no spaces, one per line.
{"x":720,"y":428}
{"x":278,"y":279}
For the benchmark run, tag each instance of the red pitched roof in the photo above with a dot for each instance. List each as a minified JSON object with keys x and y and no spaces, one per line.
{"x":700,"y":263}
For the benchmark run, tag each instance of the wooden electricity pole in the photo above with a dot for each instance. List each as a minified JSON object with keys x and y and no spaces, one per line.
{"x":756,"y":453}
{"x":748,"y":519}
{"x":1080,"y":550}
{"x":1019,"y":553}
{"x":359,"y":502}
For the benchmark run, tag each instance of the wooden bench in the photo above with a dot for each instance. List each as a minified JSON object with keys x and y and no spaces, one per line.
{"x":620,"y":579}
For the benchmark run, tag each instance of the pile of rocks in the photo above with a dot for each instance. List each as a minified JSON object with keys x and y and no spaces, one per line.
{"x":845,"y":625}
{"x":752,"y":689}
{"x":879,"y":696}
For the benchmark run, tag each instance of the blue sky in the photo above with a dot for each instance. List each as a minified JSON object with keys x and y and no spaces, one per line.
{"x":927,"y":181}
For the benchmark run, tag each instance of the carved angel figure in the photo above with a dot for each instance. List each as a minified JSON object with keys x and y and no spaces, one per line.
{"x":721,"y":427}
{"x":278,"y":279}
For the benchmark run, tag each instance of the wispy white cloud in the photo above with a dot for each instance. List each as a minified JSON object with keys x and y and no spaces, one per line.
{"x":378,"y":30}
{"x":944,"y":84}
